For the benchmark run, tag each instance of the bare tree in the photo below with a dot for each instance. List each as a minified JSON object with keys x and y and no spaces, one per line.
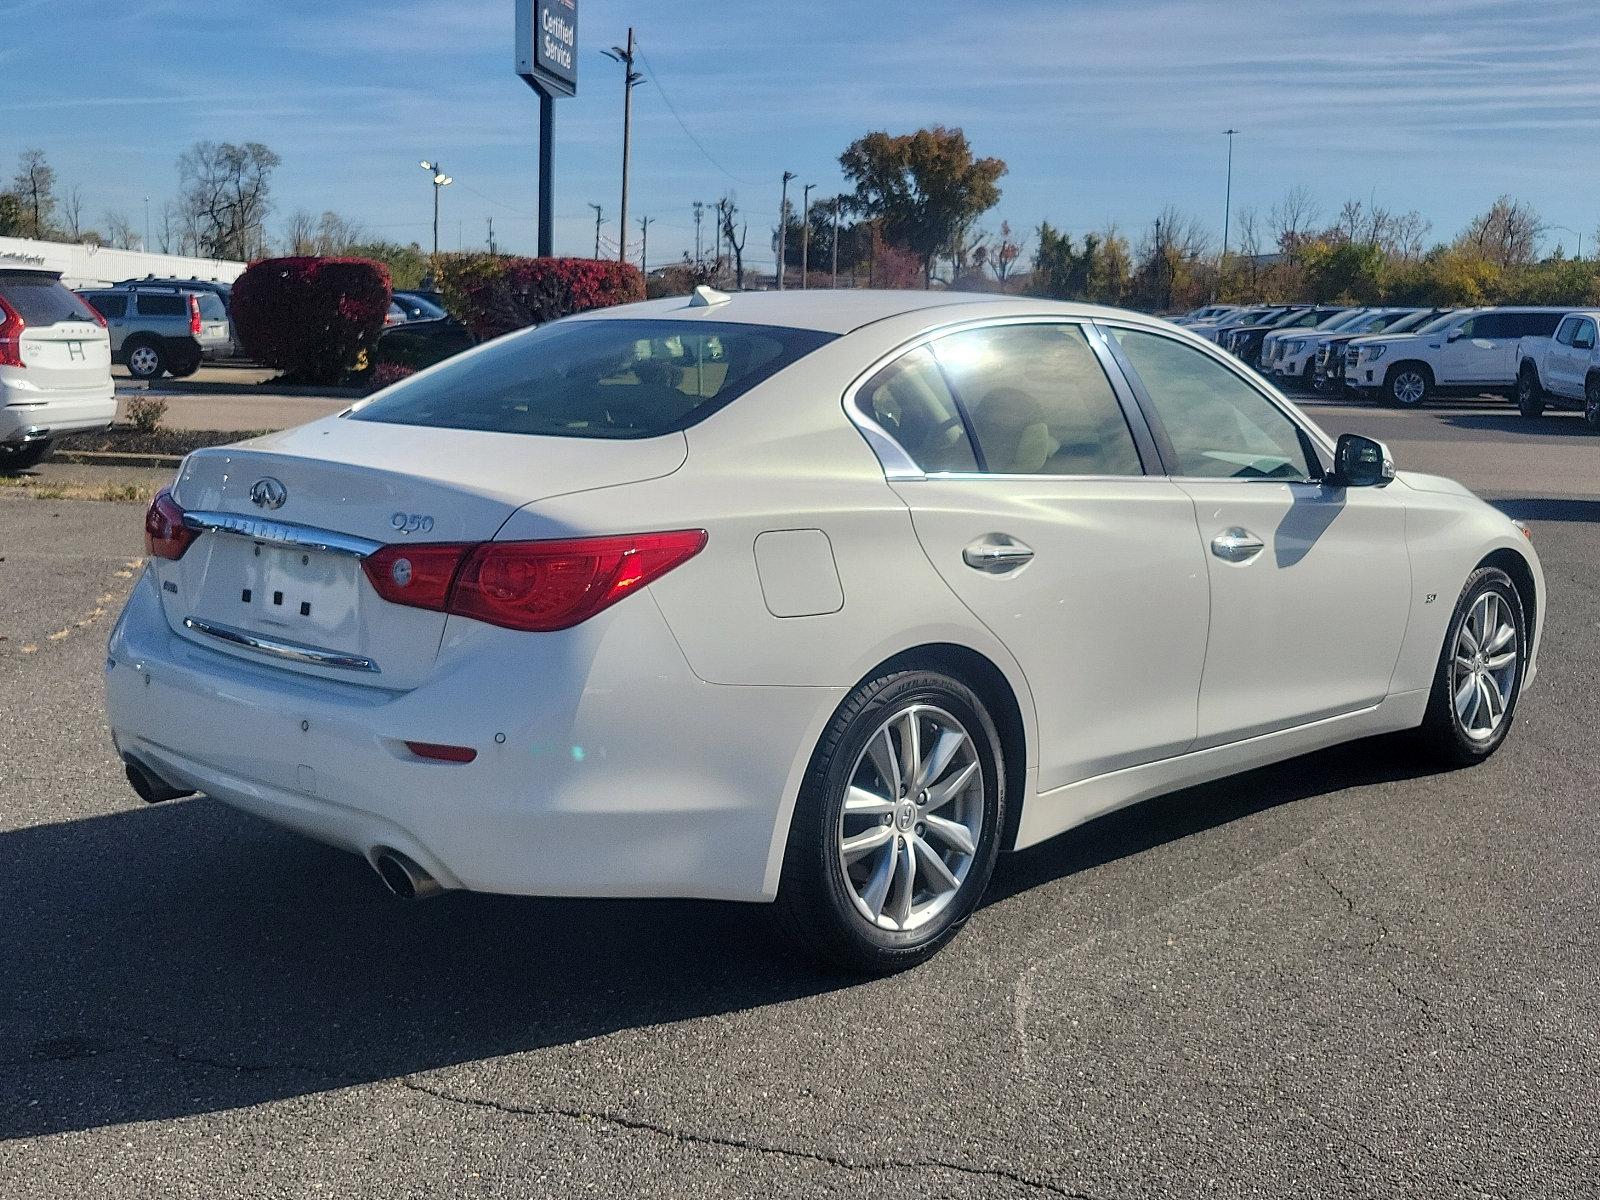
{"x":1405,"y":234}
{"x":227,"y":190}
{"x":72,"y":212}
{"x":1003,"y":259}
{"x":34,"y":185}
{"x":167,"y":232}
{"x":1353,"y":224}
{"x":727,"y":210}
{"x":1507,"y":235}
{"x":300,"y":233}
{"x":1291,"y":218}
{"x":119,"y":231}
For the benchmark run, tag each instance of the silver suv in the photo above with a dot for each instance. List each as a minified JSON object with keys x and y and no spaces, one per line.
{"x":157,"y":329}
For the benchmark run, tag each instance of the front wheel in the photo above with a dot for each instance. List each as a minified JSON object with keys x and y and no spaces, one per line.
{"x":1408,"y":385}
{"x":1479,"y":676}
{"x":1530,"y":395}
{"x":897,"y":826}
{"x":1591,"y":402}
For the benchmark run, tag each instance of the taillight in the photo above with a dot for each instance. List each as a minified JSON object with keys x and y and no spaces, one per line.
{"x":11,"y":327}
{"x":165,"y":534}
{"x":537,"y":587}
{"x":194,"y":315}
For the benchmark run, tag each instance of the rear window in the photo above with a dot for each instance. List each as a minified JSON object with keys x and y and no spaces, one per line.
{"x":596,"y":379}
{"x":42,"y":300}
{"x":211,"y":306}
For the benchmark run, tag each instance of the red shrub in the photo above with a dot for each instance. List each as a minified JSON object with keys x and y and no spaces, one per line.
{"x":310,"y":317}
{"x":494,"y":295}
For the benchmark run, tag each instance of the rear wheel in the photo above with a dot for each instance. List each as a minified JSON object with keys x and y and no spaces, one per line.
{"x":1479,"y":677}
{"x":1591,"y":402}
{"x":1408,"y":384}
{"x":896,"y":830}
{"x":20,"y":458}
{"x":146,"y":359}
{"x":1530,"y":395}
{"x":182,"y":368}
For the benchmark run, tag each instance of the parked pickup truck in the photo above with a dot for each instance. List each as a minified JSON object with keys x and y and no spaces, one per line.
{"x":1563,"y":370}
{"x":1474,"y":351}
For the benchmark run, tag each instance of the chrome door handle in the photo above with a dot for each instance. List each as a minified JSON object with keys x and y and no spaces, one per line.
{"x":996,"y":554}
{"x":1236,"y":545}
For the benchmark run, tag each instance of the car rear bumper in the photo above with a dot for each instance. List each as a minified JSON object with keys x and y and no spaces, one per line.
{"x":28,"y":414}
{"x":604,"y":766}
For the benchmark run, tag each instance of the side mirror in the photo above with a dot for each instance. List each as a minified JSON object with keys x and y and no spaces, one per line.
{"x":1361,"y":462}
{"x":1454,"y":335}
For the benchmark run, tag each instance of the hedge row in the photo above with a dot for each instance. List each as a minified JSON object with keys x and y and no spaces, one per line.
{"x":493,"y":295}
{"x":310,"y":317}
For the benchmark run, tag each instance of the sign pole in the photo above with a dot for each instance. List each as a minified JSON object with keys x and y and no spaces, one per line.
{"x":547,"y":172}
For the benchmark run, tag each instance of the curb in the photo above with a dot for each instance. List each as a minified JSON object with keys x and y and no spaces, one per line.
{"x":103,"y":458}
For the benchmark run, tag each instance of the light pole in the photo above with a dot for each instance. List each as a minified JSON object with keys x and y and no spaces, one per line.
{"x":630,"y":80}
{"x":598,"y":218}
{"x":644,"y":244}
{"x":836,"y":241}
{"x":1227,"y":206}
{"x":1574,"y":233}
{"x":440,"y":180}
{"x":783,"y":223}
{"x":805,"y":233}
{"x":147,"y":223}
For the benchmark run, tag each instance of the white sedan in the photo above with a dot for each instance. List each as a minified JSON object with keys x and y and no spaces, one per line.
{"x":821,"y":598}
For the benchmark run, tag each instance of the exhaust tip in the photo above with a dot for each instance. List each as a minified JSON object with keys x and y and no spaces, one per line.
{"x":149,"y":786}
{"x":404,"y":878}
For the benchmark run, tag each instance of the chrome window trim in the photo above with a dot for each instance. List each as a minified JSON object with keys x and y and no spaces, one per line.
{"x":898,"y":465}
{"x":281,"y":533}
{"x":279,"y":648}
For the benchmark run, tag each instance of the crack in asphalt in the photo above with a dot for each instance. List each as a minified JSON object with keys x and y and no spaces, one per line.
{"x":1350,"y":905}
{"x":638,"y":1125}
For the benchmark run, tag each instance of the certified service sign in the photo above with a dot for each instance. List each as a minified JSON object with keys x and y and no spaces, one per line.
{"x":547,"y":45}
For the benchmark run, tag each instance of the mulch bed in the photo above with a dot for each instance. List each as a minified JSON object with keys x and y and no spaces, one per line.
{"x":125,"y":439}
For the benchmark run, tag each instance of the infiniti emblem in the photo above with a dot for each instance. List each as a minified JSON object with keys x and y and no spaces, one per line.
{"x":268,"y":493}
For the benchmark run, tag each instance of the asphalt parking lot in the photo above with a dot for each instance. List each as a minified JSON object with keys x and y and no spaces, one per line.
{"x":1334,"y":977}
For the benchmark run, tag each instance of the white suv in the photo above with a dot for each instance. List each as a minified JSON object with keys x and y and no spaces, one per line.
{"x":55,"y":365}
{"x":1475,"y":350}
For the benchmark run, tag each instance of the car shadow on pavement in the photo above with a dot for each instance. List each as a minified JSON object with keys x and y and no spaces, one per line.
{"x":164,"y":962}
{"x":1556,"y":424}
{"x":1549,"y":508}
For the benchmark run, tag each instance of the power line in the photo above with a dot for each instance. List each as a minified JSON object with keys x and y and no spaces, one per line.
{"x":667,"y":100}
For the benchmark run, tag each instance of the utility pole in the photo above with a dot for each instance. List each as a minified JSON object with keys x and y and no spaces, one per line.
{"x":598,"y":218}
{"x":492,"y":250}
{"x":699,"y":212}
{"x":836,"y":241}
{"x":630,"y":80}
{"x":644,"y":244}
{"x":146,"y":245}
{"x":805,"y":234}
{"x":1227,"y":207}
{"x":783,"y":223}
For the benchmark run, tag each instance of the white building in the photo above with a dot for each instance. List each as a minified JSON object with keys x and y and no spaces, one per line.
{"x":84,"y":265}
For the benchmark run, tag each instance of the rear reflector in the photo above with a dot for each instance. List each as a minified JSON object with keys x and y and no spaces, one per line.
{"x":165,"y":534}
{"x":434,"y":750}
{"x":537,"y":587}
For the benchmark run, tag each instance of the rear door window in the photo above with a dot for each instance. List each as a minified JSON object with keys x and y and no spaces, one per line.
{"x":912,"y":402}
{"x":595,"y":378}
{"x":41,"y":300}
{"x":158,"y":304}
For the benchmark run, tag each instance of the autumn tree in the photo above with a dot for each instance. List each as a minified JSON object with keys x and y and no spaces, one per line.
{"x":925,"y":189}
{"x":227,"y":194}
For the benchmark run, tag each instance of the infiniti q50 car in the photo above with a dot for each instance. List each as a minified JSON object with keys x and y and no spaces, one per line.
{"x":823,"y":599}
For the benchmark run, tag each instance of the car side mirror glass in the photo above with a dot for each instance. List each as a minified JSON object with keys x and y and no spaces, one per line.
{"x":1361,"y":462}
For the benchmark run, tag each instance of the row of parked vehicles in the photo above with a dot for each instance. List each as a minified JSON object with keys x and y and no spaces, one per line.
{"x":1537,"y":357}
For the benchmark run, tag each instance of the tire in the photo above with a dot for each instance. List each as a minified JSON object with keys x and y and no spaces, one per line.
{"x":182,"y":368}
{"x":827,"y":906}
{"x":20,"y":458}
{"x":1530,"y":395}
{"x":1408,"y":384}
{"x":146,"y":358}
{"x":1591,"y":402}
{"x":1448,"y":736}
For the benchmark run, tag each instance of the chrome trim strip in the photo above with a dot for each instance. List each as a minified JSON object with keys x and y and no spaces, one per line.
{"x":293,"y":651}
{"x":282,"y":533}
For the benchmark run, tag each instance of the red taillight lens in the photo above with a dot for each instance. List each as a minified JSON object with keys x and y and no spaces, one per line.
{"x":165,"y":534}
{"x":418,"y":576}
{"x":11,"y":327}
{"x":442,"y":753}
{"x":194,"y":315}
{"x":532,"y":586}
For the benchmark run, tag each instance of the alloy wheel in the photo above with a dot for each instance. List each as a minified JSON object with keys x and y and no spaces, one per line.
{"x":144,"y":361}
{"x":1409,"y":387}
{"x":912,"y":818}
{"x":1487,"y":656}
{"x":1591,"y":404}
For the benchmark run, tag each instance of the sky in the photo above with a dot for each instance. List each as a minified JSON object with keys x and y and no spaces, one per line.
{"x":1104,"y":110}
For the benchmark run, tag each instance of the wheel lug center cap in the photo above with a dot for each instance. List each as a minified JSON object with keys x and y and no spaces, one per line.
{"x":905,"y":815}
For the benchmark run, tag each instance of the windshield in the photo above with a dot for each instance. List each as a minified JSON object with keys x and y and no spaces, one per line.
{"x":1404,"y":322}
{"x":595,"y":379}
{"x":1341,"y":320}
{"x":1435,"y":325}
